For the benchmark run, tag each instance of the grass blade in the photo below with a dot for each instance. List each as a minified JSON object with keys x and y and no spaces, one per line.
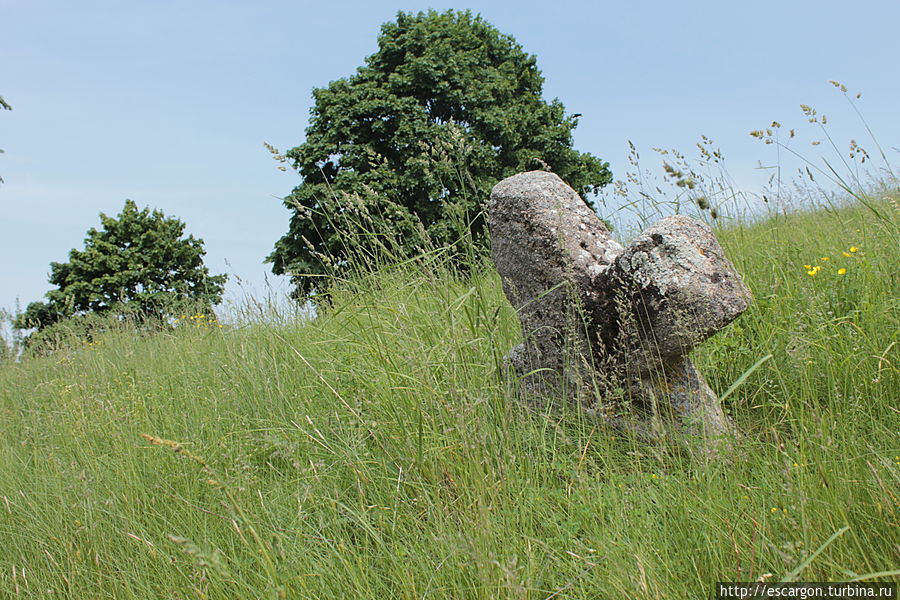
{"x":792,"y":576}
{"x":745,"y":375}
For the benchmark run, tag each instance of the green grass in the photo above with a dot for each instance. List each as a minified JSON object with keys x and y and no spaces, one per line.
{"x":376,"y":452}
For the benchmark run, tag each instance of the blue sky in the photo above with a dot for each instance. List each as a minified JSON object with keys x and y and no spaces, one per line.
{"x":169,"y":103}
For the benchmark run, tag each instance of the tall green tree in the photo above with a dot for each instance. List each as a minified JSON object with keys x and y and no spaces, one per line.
{"x":443,"y":110}
{"x":137,"y":263}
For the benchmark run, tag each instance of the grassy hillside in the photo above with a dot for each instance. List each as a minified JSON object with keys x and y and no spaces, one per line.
{"x":376,"y":452}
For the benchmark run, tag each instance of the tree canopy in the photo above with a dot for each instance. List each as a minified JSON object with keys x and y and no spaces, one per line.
{"x":416,"y":138}
{"x":137,"y":263}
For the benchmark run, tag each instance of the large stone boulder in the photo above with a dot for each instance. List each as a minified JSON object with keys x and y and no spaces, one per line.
{"x":606,"y":326}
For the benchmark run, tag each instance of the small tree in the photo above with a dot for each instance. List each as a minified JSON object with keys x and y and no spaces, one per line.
{"x":438,"y":80}
{"x":136,"y":264}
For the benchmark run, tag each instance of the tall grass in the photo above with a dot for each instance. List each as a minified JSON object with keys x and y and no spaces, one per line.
{"x":377,"y":450}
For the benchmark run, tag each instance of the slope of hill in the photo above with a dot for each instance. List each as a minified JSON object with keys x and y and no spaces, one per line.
{"x":377,"y":452}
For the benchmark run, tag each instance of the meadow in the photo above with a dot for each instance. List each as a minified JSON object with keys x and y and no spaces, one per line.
{"x":377,"y":450}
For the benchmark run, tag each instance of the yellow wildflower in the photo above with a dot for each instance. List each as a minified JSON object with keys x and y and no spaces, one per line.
{"x":807,"y":267}
{"x":854,"y":249}
{"x":826,"y":258}
{"x":774,"y":509}
{"x":811,"y":272}
{"x":841,"y":271}
{"x":847,"y":254}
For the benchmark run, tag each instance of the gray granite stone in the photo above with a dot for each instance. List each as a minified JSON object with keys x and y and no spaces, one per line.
{"x":605,"y":326}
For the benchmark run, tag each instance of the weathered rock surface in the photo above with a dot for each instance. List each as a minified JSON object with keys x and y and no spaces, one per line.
{"x":606,"y":326}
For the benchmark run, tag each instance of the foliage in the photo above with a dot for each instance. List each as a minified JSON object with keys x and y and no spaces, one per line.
{"x":415,"y":140}
{"x":78,"y":330}
{"x":137,"y":264}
